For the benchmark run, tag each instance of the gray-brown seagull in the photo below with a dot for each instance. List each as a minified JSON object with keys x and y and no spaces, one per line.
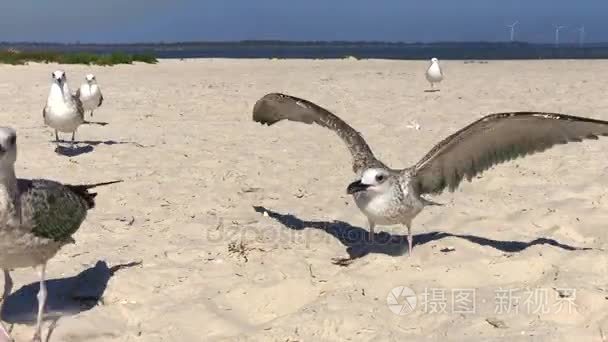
{"x":394,"y":196}
{"x":89,"y":94}
{"x":37,"y":218}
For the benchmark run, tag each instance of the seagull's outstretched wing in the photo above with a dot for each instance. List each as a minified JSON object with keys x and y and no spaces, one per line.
{"x":495,"y":139}
{"x":275,"y":107}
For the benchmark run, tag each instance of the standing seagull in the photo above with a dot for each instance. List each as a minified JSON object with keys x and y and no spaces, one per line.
{"x":89,"y":94}
{"x":63,"y":111}
{"x":394,"y":196}
{"x":433,"y":73}
{"x":37,"y":218}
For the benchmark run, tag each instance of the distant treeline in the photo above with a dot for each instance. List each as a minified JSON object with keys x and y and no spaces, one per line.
{"x":16,"y":57}
{"x":329,"y":49}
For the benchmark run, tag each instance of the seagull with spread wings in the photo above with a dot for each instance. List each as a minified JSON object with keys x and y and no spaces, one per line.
{"x":395,"y":196}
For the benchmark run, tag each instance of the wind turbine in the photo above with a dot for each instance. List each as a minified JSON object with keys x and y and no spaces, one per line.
{"x":557,"y":29}
{"x":512,"y":27}
{"x":581,"y":35}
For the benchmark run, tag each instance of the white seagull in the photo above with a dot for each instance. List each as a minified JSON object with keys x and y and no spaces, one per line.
{"x":394,"y":196}
{"x":89,"y":94}
{"x":433,"y":73}
{"x":63,"y":111}
{"x":37,"y":218}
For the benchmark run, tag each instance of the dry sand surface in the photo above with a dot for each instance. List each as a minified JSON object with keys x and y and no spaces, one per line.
{"x":216,"y":269}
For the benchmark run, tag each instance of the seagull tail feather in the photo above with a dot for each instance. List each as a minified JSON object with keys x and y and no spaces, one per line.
{"x":83,"y":191}
{"x":90,"y":186}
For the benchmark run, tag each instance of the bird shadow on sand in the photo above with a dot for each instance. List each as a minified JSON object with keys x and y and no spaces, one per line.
{"x":65,"y":296}
{"x":431,"y":90}
{"x":69,"y":151}
{"x":88,"y":146}
{"x":359,"y":242}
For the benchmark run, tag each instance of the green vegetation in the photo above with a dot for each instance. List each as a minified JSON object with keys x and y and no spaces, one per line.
{"x":15,"y":57}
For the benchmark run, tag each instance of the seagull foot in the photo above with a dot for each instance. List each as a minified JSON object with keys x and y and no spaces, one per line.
{"x":344,"y":262}
{"x":37,"y":337}
{"x":4,"y":335}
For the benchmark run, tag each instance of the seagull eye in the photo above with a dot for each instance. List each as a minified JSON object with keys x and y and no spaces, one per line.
{"x":379,"y":178}
{"x":12,"y":140}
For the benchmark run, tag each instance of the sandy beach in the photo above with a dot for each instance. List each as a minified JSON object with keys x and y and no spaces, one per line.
{"x":235,"y":224}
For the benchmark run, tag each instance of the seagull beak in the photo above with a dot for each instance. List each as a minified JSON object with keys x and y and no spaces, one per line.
{"x":355,"y":187}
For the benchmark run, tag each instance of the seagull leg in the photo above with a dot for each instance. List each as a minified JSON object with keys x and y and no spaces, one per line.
{"x":8,"y":287}
{"x":372,"y":225}
{"x":41,"y":303}
{"x":410,"y":239}
{"x":56,"y":137}
{"x":4,"y":335}
{"x":73,"y":135}
{"x":91,"y":113}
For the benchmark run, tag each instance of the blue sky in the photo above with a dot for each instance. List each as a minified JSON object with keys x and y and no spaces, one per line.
{"x":389,"y":20}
